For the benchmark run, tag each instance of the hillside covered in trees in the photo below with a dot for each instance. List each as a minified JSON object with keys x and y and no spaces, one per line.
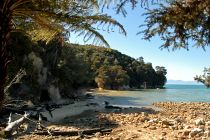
{"x":111,"y":69}
{"x":60,"y":68}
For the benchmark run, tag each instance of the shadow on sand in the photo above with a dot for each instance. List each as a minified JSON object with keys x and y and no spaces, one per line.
{"x":91,"y":119}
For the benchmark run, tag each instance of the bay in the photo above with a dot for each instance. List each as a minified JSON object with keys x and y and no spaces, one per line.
{"x":171,"y":93}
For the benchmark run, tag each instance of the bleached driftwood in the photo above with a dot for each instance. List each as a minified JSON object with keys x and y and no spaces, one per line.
{"x":74,"y":133}
{"x":12,"y":126}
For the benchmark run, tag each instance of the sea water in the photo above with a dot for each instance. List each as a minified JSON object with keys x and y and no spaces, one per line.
{"x":173,"y":93}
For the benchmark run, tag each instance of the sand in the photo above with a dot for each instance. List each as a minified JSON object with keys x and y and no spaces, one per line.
{"x":172,"y":121}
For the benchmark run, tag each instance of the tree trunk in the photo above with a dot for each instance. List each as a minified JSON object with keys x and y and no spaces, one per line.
{"x":5,"y":49}
{"x":2,"y":82}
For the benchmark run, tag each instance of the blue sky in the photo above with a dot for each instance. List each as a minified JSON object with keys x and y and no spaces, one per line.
{"x":180,"y":64}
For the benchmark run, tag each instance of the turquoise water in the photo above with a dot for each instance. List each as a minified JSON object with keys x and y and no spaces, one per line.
{"x":174,"y":93}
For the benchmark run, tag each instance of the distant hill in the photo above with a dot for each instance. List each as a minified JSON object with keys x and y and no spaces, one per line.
{"x":181,"y":82}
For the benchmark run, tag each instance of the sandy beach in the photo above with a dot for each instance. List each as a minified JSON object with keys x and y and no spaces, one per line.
{"x":165,"y":121}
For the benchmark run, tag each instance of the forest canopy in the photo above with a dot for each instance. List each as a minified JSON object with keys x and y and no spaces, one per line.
{"x":72,"y":66}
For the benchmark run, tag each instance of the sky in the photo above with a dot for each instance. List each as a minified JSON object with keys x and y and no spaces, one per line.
{"x":180,"y":64}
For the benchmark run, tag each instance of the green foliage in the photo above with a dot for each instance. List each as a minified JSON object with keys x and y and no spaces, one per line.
{"x":205,"y":78}
{"x":72,"y":66}
{"x":137,"y":70}
{"x":72,"y":69}
{"x":179,"y":22}
{"x":44,"y":20}
{"x":161,"y":75}
{"x":111,"y":77}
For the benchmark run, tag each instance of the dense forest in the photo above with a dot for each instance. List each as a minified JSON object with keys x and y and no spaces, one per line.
{"x":60,"y":68}
{"x":111,"y":69}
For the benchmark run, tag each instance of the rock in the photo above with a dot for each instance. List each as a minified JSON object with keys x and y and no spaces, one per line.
{"x":208,"y":123}
{"x":117,"y":138}
{"x":152,"y":128}
{"x":164,"y":122}
{"x":135,"y":114}
{"x":197,"y":130}
{"x":98,"y":134}
{"x":194,"y":132}
{"x":143,"y":119}
{"x":153,"y":121}
{"x":208,"y":128}
{"x":207,"y":134}
{"x":77,"y":138}
{"x":161,"y":138}
{"x":187,"y":127}
{"x":175,"y":139}
{"x":173,"y":127}
{"x":164,"y":133}
{"x":186,"y":132}
{"x":139,"y":130}
{"x":146,"y":126}
{"x":165,"y":126}
{"x":182,"y":138}
{"x":180,"y":127}
{"x":167,"y":123}
{"x":202,"y":127}
{"x":144,"y":114}
{"x":30,"y":104}
{"x":200,"y":122}
{"x":178,"y":120}
{"x":200,"y":134}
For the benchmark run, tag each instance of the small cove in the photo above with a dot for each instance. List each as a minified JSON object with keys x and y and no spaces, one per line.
{"x":171,"y":93}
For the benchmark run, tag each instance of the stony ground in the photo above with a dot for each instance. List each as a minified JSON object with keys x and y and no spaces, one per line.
{"x":175,"y":121}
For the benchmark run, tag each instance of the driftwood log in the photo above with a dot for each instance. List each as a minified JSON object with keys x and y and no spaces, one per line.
{"x":12,"y":126}
{"x":74,"y":133}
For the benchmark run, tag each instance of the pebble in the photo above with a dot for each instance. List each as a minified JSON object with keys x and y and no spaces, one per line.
{"x":144,"y":114}
{"x":187,"y":127}
{"x":98,"y":134}
{"x":186,"y":132}
{"x":144,"y":119}
{"x":164,"y":133}
{"x":199,"y":122}
{"x":194,"y":132}
{"x":208,"y":123}
{"x":152,"y":128}
{"x":165,"y":122}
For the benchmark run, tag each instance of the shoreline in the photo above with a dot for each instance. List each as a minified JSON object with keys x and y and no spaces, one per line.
{"x":94,"y":104}
{"x":97,"y":104}
{"x":176,"y":121}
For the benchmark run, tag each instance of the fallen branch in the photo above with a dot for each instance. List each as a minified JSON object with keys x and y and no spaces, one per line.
{"x":74,"y":133}
{"x":12,"y":126}
{"x":16,"y":79}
